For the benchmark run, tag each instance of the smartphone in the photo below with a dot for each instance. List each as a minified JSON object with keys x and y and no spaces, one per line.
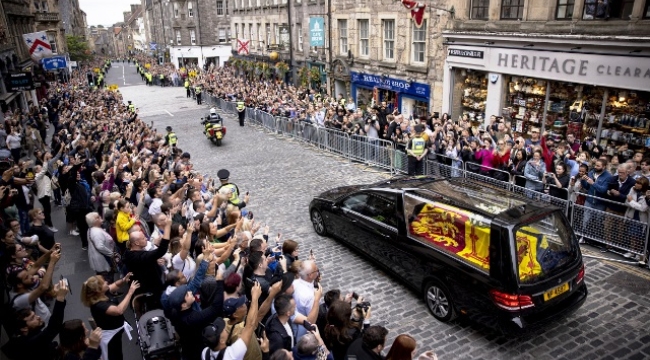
{"x":309,"y":326}
{"x":93,"y":324}
{"x":259,"y":332}
{"x":355,"y":296}
{"x":67,"y":283}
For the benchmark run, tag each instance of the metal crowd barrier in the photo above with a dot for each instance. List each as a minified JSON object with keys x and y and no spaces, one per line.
{"x":593,"y":223}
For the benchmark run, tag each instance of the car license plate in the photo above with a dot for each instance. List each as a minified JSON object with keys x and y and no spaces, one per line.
{"x":556,"y":291}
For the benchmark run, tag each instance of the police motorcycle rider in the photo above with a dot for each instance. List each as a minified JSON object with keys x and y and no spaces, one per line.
{"x":214,"y":129}
{"x":230,"y":189}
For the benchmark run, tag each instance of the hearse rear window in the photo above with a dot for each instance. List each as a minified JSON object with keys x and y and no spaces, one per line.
{"x":454,"y":231}
{"x":543,"y":248}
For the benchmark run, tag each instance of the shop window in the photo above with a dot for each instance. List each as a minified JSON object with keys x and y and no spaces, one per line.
{"x":479,"y":10}
{"x":419,"y":42}
{"x":512,"y":9}
{"x":389,"y":39}
{"x":343,"y":37}
{"x":471,"y":89}
{"x":220,"y":7}
{"x":525,"y":103}
{"x":178,"y":37}
{"x":299,"y":29}
{"x":564,"y":9}
{"x":364,"y":32}
{"x":193,"y":37}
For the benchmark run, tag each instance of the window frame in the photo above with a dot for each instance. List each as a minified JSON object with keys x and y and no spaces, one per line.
{"x":176,"y":10}
{"x":220,"y":8}
{"x":371,"y":196}
{"x":51,"y":37}
{"x":236,"y":31}
{"x":190,"y":9}
{"x":192,"y":36}
{"x":364,"y":42}
{"x":252,"y":33}
{"x":225,"y":36}
{"x":343,"y":40}
{"x":479,"y":6}
{"x":568,"y":4}
{"x":646,"y":12}
{"x":422,"y":31}
{"x":179,"y":39}
{"x":300,"y":39}
{"x":386,"y":41}
{"x":519,"y":6}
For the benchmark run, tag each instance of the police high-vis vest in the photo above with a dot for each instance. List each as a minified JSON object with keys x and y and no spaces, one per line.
{"x":132,"y":108}
{"x":172,"y":139}
{"x":187,"y":84}
{"x":162,"y":76}
{"x":232,"y":190}
{"x":197,"y":90}
{"x":240,"y":105}
{"x":418,"y":145}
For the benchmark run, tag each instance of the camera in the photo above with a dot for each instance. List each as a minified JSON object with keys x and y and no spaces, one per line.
{"x":363,"y":306}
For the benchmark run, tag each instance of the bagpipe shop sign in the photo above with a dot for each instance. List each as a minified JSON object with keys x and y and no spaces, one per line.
{"x":387,"y":83}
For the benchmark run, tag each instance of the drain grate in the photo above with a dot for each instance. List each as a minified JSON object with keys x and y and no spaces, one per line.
{"x":630,"y":282}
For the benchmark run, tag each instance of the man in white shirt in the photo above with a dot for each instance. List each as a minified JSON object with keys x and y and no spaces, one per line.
{"x":303,"y":293}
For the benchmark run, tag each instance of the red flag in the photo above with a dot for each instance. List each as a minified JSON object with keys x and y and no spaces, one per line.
{"x":417,"y":11}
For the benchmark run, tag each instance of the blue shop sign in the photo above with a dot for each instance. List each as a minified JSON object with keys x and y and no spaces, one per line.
{"x":396,"y":85}
{"x":54,"y":62}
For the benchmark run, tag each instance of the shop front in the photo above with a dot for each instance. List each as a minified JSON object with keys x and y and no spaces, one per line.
{"x":410,"y":98}
{"x":200,"y":56}
{"x":603,"y":95}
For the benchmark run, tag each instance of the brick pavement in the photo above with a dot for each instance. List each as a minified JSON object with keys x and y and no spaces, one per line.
{"x":282,"y":177}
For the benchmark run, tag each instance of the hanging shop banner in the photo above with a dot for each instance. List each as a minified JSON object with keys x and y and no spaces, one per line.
{"x":316,"y":31}
{"x":21,"y":81}
{"x":387,"y":83}
{"x":285,"y":41}
{"x":54,"y":63}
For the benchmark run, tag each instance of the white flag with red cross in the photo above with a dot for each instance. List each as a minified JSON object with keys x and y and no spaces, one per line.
{"x":38,"y":45}
{"x":242,"y":46}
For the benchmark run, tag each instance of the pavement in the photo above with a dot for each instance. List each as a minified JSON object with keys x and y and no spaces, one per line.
{"x":283,"y":176}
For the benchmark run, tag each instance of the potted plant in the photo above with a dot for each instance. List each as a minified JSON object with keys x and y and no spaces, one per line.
{"x":314,"y":74}
{"x":303,"y":76}
{"x":282,"y":68}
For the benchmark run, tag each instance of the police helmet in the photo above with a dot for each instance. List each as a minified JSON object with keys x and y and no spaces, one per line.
{"x":168,"y":128}
{"x":129,"y":101}
{"x":213,"y":111}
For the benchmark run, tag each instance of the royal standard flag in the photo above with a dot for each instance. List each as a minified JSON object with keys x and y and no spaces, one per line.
{"x":529,"y":243}
{"x":455,"y":231}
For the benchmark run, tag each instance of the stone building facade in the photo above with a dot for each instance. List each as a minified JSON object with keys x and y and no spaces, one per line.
{"x":47,"y":17}
{"x":73,"y":18}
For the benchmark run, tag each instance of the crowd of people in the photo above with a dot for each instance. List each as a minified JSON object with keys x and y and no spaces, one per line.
{"x":151,"y":225}
{"x":612,"y":179}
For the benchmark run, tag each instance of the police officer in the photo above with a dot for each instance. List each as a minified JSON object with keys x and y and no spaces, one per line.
{"x":187,"y":88}
{"x":417,"y":149}
{"x":230,"y":189}
{"x":131,"y":107}
{"x":162,"y":80}
{"x":170,"y":138}
{"x":241,"y":110}
{"x":197,"y":91}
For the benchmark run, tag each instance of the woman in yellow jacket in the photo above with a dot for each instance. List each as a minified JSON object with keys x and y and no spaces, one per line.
{"x":123,"y":222}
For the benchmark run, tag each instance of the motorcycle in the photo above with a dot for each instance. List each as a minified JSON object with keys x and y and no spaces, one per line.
{"x":214,"y":129}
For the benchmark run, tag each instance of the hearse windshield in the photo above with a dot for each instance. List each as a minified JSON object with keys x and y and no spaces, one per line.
{"x":544,"y":247}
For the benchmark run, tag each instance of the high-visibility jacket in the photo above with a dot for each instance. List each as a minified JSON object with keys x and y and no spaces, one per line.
{"x":197,"y":90}
{"x":232,"y":190}
{"x":162,"y":77}
{"x":418,"y":145}
{"x":132,"y":108}
{"x":171,"y":138}
{"x":187,"y":84}
{"x":240,"y":105}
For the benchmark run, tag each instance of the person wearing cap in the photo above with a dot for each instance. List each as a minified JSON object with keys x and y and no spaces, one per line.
{"x":170,"y":139}
{"x":230,"y":189}
{"x":189,"y":319}
{"x":416,"y":149}
{"x":215,"y":335}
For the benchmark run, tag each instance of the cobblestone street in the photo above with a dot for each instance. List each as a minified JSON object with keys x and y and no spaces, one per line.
{"x":283,"y":176}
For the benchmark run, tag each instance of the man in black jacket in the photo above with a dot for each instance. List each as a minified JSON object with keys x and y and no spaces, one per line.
{"x":370,"y":345}
{"x":80,"y":201}
{"x":189,"y":320}
{"x":34,"y":340}
{"x":144,"y":264}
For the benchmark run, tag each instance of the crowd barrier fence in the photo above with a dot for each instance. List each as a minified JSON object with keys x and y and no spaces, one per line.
{"x":609,"y":229}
